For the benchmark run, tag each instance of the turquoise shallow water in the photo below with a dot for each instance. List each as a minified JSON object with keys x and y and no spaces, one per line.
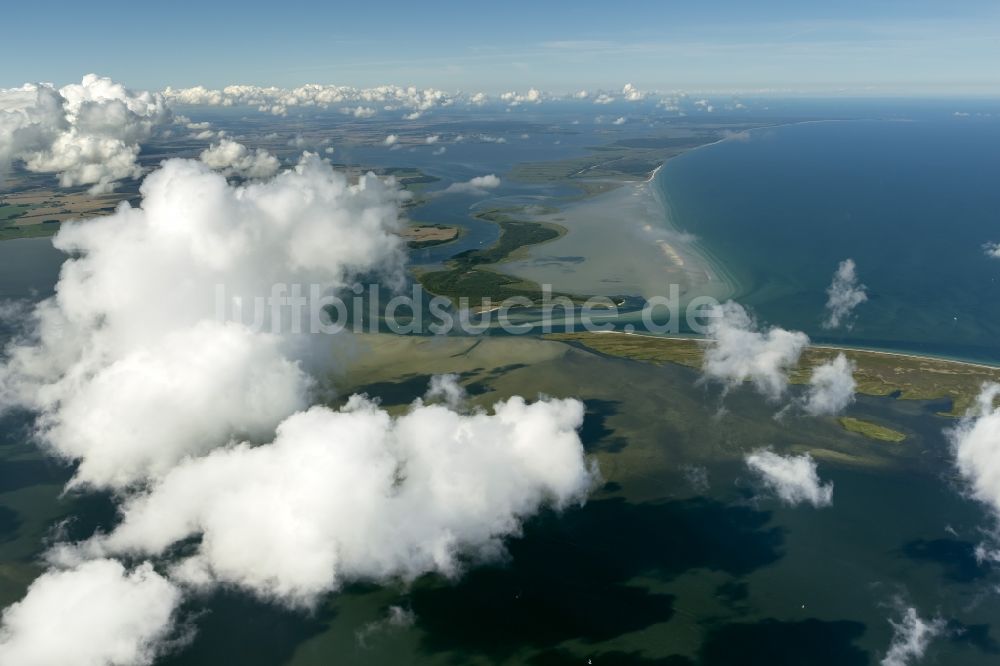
{"x":911,"y":202}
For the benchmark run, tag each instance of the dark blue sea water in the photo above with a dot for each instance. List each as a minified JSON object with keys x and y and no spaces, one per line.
{"x":911,"y":202}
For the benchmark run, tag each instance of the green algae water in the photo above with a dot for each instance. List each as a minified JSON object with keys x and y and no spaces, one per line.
{"x":911,"y":202}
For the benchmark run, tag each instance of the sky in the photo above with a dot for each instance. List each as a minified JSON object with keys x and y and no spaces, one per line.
{"x":794,"y":46}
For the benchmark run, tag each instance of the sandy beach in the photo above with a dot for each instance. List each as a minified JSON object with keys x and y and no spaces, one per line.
{"x":630,"y":221}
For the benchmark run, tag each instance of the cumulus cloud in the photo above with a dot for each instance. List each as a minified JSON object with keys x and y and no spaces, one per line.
{"x":632,"y":94}
{"x":141,"y":381}
{"x":831,"y":387}
{"x":618,"y":121}
{"x":88,"y":133}
{"x":390,"y":140}
{"x":234,"y":159}
{"x":739,"y":351}
{"x":359,"y":102}
{"x":356,"y":494}
{"x":844,"y":294}
{"x":792,"y":478}
{"x":976,"y":445}
{"x":130,"y":365}
{"x":446,"y":388}
{"x":477,"y":185}
{"x":910,"y":638}
{"x":992,"y":250}
{"x":95,"y":614}
{"x":533,"y":96}
{"x":359,"y":111}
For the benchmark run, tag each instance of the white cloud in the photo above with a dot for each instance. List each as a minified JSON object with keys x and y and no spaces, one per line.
{"x":910,"y":638}
{"x":533,"y":96}
{"x":618,"y":121}
{"x":357,"y":494}
{"x":844,"y":294}
{"x":831,"y":387}
{"x":131,"y":368}
{"x":976,"y":445}
{"x":87,"y":133}
{"x":138,"y":381}
{"x":359,"y":111}
{"x":233,"y":158}
{"x":632,"y":94}
{"x":277,"y":101}
{"x":390,"y":140}
{"x":992,"y":250}
{"x":434,"y":138}
{"x":446,"y":388}
{"x":739,"y":351}
{"x":96,"y":614}
{"x":477,"y":185}
{"x":792,"y":478}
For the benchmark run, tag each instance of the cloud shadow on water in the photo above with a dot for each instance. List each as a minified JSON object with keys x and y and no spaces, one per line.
{"x":779,"y":643}
{"x":570,"y":576}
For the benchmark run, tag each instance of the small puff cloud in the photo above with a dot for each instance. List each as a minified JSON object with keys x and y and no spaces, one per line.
{"x":843,"y":295}
{"x":235,"y":159}
{"x":831,"y":387}
{"x":738,"y":351}
{"x":792,"y":478}
{"x":95,"y":614}
{"x":910,"y":638}
{"x":477,"y":185}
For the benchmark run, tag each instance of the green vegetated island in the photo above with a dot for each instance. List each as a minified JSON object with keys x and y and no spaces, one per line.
{"x":870,"y":430}
{"x":473,"y":274}
{"x":902,"y":376}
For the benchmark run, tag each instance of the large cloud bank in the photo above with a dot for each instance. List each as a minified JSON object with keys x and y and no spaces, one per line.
{"x":87,"y":133}
{"x":142,"y":382}
{"x":355,"y":494}
{"x":793,"y":479}
{"x":278,"y":101}
{"x":739,"y":350}
{"x":412,"y":101}
{"x":96,"y":614}
{"x":131,"y":366}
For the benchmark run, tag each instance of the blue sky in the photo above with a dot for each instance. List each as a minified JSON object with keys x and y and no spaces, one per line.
{"x":875,"y":47}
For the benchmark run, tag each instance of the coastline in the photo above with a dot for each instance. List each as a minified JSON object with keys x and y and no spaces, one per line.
{"x":836,"y":348}
{"x":630,"y":219}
